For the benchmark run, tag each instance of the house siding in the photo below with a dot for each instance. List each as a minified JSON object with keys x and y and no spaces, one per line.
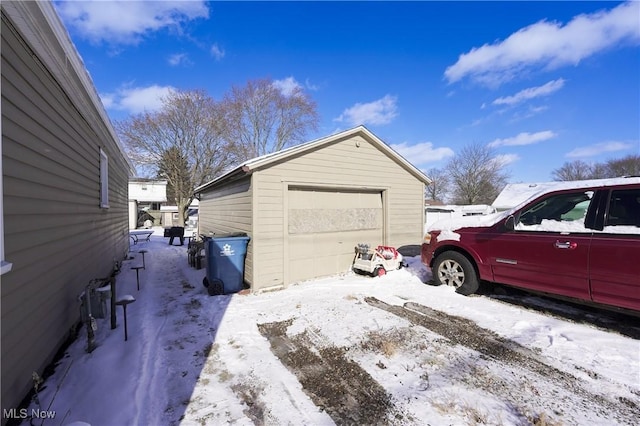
{"x":56,"y":235}
{"x":339,"y":165}
{"x":229,"y":209}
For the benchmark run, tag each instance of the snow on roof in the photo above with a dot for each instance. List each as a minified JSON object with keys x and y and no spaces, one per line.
{"x":515,"y":194}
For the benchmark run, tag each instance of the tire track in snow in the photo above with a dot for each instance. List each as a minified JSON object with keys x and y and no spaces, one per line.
{"x":464,"y":332}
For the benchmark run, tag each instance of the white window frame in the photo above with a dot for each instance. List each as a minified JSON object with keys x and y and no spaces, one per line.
{"x":4,"y":265}
{"x":104,"y":180}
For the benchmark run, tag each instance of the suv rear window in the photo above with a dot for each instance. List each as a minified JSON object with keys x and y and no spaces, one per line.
{"x":624,"y":208}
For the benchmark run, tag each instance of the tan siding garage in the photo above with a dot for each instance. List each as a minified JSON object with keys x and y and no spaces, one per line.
{"x":324,"y":225}
{"x":310,"y":205}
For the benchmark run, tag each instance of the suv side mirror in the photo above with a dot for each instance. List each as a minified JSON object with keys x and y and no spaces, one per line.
{"x":510,"y":223}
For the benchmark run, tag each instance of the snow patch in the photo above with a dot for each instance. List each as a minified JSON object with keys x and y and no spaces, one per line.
{"x":448,"y":235}
{"x":480,"y":221}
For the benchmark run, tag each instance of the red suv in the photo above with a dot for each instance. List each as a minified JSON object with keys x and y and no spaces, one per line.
{"x":579,"y":240}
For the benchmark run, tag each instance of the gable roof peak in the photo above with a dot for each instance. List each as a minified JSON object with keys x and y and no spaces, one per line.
{"x":267,"y":160}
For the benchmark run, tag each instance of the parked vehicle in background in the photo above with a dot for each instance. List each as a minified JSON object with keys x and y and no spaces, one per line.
{"x":580,"y":241}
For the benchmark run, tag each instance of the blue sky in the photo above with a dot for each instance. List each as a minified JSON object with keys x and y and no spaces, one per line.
{"x":541,"y":82}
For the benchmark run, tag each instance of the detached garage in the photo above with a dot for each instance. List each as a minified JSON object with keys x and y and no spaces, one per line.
{"x":306,"y":207}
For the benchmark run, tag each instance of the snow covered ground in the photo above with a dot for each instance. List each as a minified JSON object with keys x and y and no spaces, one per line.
{"x":345,"y":349}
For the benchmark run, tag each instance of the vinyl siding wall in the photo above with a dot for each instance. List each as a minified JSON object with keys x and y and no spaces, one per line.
{"x":341,"y":164}
{"x":56,"y":235}
{"x":228,"y":208}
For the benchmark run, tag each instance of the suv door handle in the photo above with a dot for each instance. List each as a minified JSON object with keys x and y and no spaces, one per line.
{"x":565,"y":245}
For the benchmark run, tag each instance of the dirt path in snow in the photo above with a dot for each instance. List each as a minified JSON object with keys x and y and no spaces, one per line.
{"x":334,"y":383}
{"x":461,"y":331}
{"x":538,"y":391}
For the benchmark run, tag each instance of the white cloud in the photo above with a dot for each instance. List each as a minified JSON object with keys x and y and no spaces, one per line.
{"x":108,"y":100}
{"x":548,"y":45}
{"x":382,"y":111}
{"x":524,"y":138}
{"x":179,"y":59}
{"x":287,"y":86}
{"x":217,"y":52}
{"x":127,"y":22}
{"x":422,"y":153}
{"x":531,"y":111}
{"x":310,"y":86}
{"x":599,"y":148}
{"x":136,"y":100}
{"x":506,"y":159}
{"x":531,"y":93}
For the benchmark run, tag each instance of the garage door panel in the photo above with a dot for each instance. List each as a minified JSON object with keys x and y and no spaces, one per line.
{"x":325,"y":226}
{"x":299,"y":269}
{"x":312,"y":221}
{"x":299,"y":245}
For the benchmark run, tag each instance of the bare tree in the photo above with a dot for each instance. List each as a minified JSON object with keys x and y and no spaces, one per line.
{"x":174,"y":167}
{"x":573,"y":170}
{"x":477,"y":175}
{"x":181,"y":142}
{"x":438,"y":189}
{"x":580,"y":170}
{"x":626,"y":166}
{"x":261,"y":119}
{"x":599,"y":171}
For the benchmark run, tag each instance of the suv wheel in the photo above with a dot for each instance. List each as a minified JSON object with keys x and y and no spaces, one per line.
{"x":454,"y":269}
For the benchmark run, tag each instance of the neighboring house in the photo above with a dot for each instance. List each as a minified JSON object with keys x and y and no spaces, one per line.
{"x":171,"y":216}
{"x":306,"y":207}
{"x":146,"y":196}
{"x":63,"y":209}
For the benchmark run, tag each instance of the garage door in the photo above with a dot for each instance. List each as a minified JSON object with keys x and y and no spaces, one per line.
{"x":324,"y":227}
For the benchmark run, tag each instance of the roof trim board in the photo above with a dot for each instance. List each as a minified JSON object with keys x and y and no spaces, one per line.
{"x":59,"y":55}
{"x":268,"y":160}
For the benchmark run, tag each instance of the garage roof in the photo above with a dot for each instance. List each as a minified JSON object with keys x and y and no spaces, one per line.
{"x":267,"y":160}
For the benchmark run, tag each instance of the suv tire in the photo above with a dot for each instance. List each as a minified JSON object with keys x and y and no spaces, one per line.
{"x":454,"y":269}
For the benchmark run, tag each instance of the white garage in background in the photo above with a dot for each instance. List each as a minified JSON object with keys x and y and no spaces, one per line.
{"x":306,"y":207}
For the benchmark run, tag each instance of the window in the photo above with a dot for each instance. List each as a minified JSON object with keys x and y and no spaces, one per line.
{"x":624,"y":208}
{"x":557,"y":213}
{"x":104,"y":180}
{"x":4,"y":265}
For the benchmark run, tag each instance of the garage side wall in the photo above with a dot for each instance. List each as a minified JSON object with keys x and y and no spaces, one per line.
{"x":228,"y":208}
{"x":353,"y":164}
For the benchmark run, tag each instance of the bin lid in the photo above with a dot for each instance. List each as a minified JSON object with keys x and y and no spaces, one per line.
{"x":231,"y":235}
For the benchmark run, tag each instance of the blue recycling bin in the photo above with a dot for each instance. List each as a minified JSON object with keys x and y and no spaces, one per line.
{"x":224,"y":260}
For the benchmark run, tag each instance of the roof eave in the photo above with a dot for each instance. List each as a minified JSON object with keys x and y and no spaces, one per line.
{"x":267,"y":160}
{"x":238,"y":172}
{"x":264,"y":161}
